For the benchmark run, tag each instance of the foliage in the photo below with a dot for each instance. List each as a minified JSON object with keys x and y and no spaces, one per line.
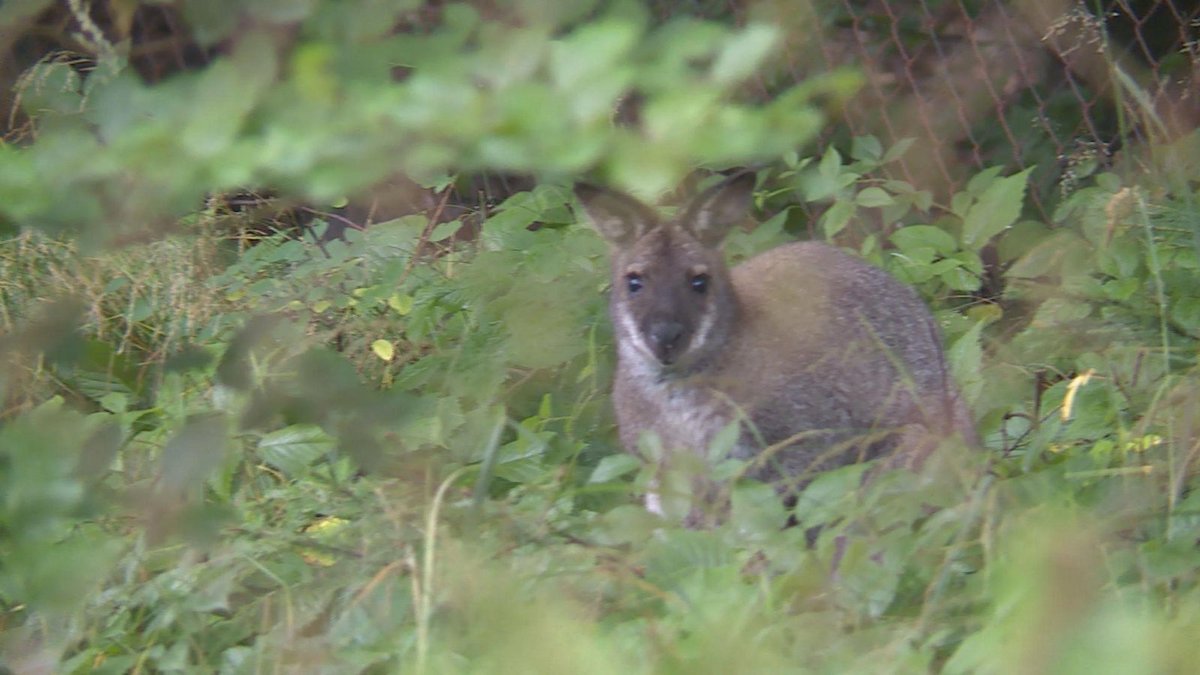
{"x":394,"y":451}
{"x":349,"y":102}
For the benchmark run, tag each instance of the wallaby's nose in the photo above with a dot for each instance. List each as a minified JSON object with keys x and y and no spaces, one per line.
{"x":665,"y":337}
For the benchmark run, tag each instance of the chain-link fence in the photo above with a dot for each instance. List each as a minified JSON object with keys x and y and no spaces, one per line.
{"x":1062,"y":85}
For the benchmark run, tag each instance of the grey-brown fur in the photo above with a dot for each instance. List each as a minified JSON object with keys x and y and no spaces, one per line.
{"x":828,"y":359}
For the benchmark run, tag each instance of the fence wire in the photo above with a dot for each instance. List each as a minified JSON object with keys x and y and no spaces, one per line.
{"x":1060,"y":85}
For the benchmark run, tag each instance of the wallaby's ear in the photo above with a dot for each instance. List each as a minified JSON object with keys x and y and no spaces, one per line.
{"x":713,"y":213}
{"x":619,"y":218}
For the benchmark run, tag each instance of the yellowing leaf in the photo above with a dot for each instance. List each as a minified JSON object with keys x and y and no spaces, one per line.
{"x":1072,"y":389}
{"x":325,"y":525}
{"x":401,"y":302}
{"x":383,"y":349}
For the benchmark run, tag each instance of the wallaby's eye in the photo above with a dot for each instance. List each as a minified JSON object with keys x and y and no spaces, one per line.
{"x":700,"y":283}
{"x":633,"y":281}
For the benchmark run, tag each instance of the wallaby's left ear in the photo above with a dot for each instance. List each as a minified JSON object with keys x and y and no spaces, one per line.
{"x":713,"y":213}
{"x":620,"y":218}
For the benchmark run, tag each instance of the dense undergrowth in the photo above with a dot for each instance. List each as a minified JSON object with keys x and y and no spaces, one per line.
{"x":394,"y":453}
{"x":197,"y":496}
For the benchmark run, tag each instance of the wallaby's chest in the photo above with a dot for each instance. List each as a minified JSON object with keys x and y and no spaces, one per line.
{"x":684,"y":414}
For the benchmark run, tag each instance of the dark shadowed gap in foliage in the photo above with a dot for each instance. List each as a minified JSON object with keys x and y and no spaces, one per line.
{"x":470,"y":200}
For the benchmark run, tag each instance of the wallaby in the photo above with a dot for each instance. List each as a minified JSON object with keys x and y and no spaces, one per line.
{"x":825,"y":359}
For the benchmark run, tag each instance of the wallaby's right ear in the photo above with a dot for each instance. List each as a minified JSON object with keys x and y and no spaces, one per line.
{"x":714,"y":212}
{"x":619,"y":218}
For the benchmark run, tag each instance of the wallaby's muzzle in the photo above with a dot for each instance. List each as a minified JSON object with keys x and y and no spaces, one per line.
{"x":666,"y":340}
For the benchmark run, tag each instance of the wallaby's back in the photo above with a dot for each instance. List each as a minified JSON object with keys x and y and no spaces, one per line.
{"x":834,"y":348}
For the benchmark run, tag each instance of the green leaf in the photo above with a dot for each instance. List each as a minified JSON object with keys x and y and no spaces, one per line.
{"x":966,"y":362}
{"x":590,"y":51}
{"x":961,"y":271}
{"x":835,"y":219}
{"x":983,"y":180}
{"x":757,"y":510}
{"x":53,"y":85}
{"x":866,"y":148}
{"x":1049,"y":255}
{"x":829,"y":495}
{"x":830,"y":164}
{"x":897,"y":150}
{"x":195,"y":452}
{"x":1186,"y":312}
{"x":997,"y":208}
{"x":292,"y":449}
{"x":873,"y":197}
{"x":721,"y":446}
{"x":613,"y":467}
{"x":230,"y":89}
{"x":679,"y":552}
{"x":444,"y":230}
{"x":743,"y":52}
{"x":960,"y":203}
{"x":926,"y":236}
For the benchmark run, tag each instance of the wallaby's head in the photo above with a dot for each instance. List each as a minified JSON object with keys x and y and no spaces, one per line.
{"x":672,"y":304}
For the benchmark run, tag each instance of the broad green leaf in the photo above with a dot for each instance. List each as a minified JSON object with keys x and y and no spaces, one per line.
{"x":966,"y":362}
{"x":997,"y":208}
{"x":952,"y":274}
{"x":743,"y":52}
{"x":926,"y":236}
{"x":625,"y":524}
{"x":590,"y":51}
{"x":829,"y":495}
{"x":866,"y":147}
{"x":830,"y":164}
{"x":1049,"y":256}
{"x":836,"y":218}
{"x":757,"y":510}
{"x":529,"y":470}
{"x":195,"y":452}
{"x":613,"y":467}
{"x":52,"y":85}
{"x":444,"y":230}
{"x":983,"y":180}
{"x":898,"y":149}
{"x":722,"y":445}
{"x":869,"y":572}
{"x":960,"y":203}
{"x":678,"y":553}
{"x":873,"y":197}
{"x":1186,"y":312}
{"x":292,"y":449}
{"x":230,"y":89}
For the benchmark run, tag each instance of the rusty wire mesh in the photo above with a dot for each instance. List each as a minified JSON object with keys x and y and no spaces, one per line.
{"x":1060,"y":85}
